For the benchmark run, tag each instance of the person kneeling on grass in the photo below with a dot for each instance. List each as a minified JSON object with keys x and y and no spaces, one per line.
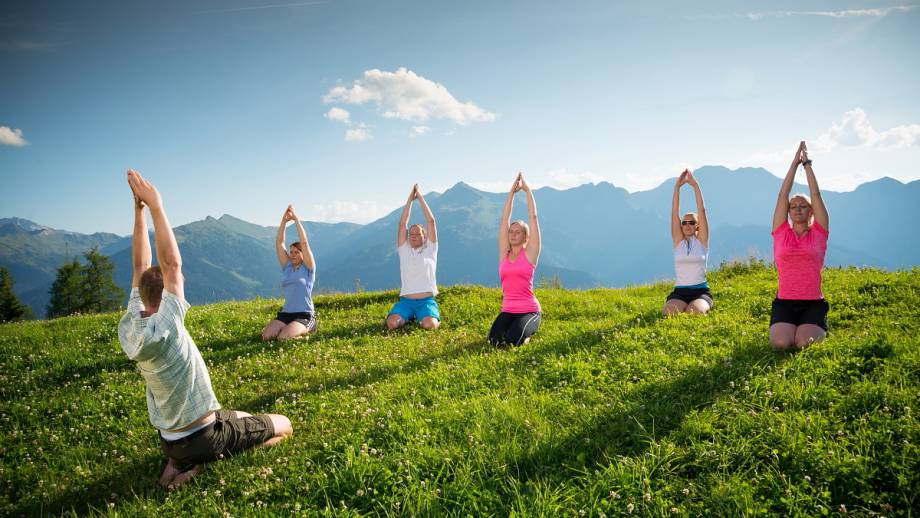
{"x":798,"y":317}
{"x":690,"y":236}
{"x":193,"y":428}
{"x":518,"y":252}
{"x":298,"y":273}
{"x":418,"y":261}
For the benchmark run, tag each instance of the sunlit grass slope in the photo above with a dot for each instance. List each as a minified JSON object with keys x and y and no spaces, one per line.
{"x":610,"y":409}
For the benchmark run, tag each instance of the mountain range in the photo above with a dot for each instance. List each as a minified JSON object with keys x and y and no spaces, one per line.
{"x":594,"y":234}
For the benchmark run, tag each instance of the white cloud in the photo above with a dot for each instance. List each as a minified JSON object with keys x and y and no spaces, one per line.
{"x":848,"y":13}
{"x":358,"y":134}
{"x":493,"y":185}
{"x":853,"y":130}
{"x":418,"y":131}
{"x":405,"y":95}
{"x":354,"y":211}
{"x":11,"y":137}
{"x":338,"y":114}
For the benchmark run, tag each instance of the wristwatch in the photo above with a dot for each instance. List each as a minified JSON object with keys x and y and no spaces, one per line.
{"x":806,"y":162}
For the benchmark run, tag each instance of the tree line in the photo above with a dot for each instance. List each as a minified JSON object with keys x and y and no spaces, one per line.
{"x":78,"y":288}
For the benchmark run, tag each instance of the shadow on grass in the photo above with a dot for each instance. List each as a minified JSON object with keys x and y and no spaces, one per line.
{"x":353,"y":301}
{"x":655,"y":410}
{"x":83,"y":374}
{"x":218,"y":352}
{"x":372,"y":375}
{"x":127,"y":482}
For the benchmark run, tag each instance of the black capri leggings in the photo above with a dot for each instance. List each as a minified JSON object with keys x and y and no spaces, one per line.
{"x":513,"y":328}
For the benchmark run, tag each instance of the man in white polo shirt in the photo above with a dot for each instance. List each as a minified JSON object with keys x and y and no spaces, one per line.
{"x":193,"y":428}
{"x":418,"y":261}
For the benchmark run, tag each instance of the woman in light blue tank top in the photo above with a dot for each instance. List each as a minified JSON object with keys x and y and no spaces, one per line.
{"x":690,"y":236}
{"x":298,"y":272}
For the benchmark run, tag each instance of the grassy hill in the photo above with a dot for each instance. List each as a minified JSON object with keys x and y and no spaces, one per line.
{"x":609,"y":410}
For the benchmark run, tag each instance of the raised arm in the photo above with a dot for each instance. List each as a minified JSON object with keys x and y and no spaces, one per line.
{"x":280,"y":250}
{"x":432,"y":229}
{"x":676,"y":234}
{"x":703,"y":223}
{"x":781,"y":212}
{"x":533,"y":243}
{"x":817,"y":202}
{"x":505,"y":220}
{"x":140,"y":244}
{"x":404,"y":218}
{"x":168,"y":256}
{"x":308,"y":259}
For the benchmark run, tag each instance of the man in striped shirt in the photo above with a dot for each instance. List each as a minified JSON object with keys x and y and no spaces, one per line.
{"x":193,"y":428}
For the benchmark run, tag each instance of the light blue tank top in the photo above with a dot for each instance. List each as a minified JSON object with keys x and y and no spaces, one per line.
{"x":297,"y":287}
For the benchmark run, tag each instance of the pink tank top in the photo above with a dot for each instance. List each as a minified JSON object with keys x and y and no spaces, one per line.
{"x":517,"y":285}
{"x":799,"y":260}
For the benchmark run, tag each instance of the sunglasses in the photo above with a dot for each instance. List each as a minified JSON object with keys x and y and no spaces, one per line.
{"x":685,"y":223}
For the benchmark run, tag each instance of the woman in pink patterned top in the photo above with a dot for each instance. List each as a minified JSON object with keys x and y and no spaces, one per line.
{"x":800,"y":229}
{"x":518,"y":252}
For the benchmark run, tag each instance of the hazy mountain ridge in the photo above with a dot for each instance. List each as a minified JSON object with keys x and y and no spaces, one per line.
{"x":594,"y":234}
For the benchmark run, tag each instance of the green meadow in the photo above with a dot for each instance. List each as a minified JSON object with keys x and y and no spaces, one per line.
{"x":609,"y":410}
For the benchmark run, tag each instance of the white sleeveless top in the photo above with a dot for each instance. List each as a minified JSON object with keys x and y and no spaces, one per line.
{"x":690,"y":263}
{"x":417,"y":268}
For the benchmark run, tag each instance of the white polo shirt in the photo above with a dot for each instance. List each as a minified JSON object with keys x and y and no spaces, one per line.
{"x":417,"y":268}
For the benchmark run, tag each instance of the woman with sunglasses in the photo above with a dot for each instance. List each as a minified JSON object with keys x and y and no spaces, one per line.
{"x":800,"y":229}
{"x":690,"y":236}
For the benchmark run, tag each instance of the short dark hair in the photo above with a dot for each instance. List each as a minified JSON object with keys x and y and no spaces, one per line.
{"x":151,"y":287}
{"x":298,"y":245}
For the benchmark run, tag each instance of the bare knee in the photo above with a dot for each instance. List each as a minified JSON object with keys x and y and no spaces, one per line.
{"x":698,"y":307}
{"x":394,"y":321}
{"x":672,"y":307}
{"x":268,"y":334}
{"x":292,"y":330}
{"x":780,"y":344}
{"x":430,"y":323}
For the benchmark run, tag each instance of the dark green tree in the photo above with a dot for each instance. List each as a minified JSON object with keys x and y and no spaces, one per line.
{"x":85,"y":288}
{"x":11,"y":309}
{"x":100,"y":293}
{"x":66,"y":293}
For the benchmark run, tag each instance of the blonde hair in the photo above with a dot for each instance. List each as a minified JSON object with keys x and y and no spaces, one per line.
{"x":807,"y":200}
{"x":524,"y":226}
{"x":421,"y":229}
{"x":805,"y":197}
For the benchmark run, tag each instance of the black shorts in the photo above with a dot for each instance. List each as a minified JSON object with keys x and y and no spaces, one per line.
{"x":798,"y":312}
{"x":306,"y":318}
{"x":688,"y":295}
{"x":224,"y":437}
{"x":513,"y":328}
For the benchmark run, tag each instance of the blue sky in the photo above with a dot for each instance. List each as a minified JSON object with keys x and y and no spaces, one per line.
{"x":240,"y":107}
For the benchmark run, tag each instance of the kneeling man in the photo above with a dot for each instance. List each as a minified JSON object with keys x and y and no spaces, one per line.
{"x":182,"y":406}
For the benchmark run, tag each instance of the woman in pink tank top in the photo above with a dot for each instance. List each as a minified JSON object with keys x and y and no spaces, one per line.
{"x":800,"y":229}
{"x":518,"y":252}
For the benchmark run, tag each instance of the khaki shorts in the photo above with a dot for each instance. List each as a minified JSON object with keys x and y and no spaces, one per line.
{"x":226,"y":436}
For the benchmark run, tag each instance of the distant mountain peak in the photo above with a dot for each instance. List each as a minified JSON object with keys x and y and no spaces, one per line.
{"x":460,"y":193}
{"x":22,"y":223}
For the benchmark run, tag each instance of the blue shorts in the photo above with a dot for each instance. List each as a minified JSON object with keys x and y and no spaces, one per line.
{"x":416,"y":309}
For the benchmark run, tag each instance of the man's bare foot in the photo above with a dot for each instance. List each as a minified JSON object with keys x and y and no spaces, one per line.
{"x":184,"y":477}
{"x":173,"y":476}
{"x":169,"y":473}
